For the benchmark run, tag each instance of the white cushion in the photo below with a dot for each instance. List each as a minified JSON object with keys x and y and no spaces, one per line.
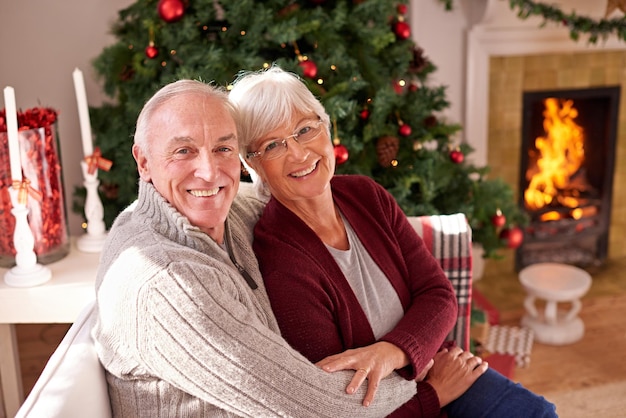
{"x":73,"y":383}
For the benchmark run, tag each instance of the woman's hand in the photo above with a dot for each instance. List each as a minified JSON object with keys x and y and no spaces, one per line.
{"x":373,"y":363}
{"x":453,"y":372}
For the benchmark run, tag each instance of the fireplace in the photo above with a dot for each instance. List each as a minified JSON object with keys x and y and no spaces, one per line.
{"x":566,"y":174}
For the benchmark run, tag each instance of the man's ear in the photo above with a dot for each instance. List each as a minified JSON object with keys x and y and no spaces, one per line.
{"x":142,"y":163}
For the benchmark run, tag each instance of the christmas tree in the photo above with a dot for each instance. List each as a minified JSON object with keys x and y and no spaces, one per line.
{"x":357,"y":56}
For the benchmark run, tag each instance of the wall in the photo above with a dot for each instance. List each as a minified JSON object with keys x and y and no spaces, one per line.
{"x":42,"y":41}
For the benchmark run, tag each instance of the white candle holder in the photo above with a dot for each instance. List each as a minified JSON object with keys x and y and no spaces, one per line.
{"x":27,"y":272}
{"x":93,"y":240}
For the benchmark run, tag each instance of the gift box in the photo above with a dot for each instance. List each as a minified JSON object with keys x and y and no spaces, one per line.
{"x":479,"y":326}
{"x":513,"y":341}
{"x":480,"y":302}
{"x":502,"y":363}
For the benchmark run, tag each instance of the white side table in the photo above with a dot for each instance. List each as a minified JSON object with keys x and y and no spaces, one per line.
{"x":554,"y":283}
{"x":59,"y":300}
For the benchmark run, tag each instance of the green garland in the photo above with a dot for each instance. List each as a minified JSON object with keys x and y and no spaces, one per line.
{"x":576,"y":24}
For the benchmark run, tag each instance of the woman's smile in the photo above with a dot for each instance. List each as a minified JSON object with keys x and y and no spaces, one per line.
{"x":305,"y":172}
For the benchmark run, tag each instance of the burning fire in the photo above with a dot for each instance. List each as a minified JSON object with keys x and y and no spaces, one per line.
{"x":560,"y":155}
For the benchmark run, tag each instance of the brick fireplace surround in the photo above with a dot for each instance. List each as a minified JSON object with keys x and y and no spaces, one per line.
{"x":506,"y":60}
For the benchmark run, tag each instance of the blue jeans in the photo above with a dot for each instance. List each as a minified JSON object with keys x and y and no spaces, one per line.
{"x":495,"y":396}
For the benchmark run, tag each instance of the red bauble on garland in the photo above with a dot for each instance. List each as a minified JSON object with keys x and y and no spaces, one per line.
{"x":512,"y":237}
{"x":309,"y":68}
{"x":171,"y":10}
{"x":365,"y":114}
{"x":341,"y":154}
{"x":151,"y":51}
{"x":456,"y":156}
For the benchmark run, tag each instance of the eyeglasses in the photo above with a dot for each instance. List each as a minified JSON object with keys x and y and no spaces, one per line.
{"x":276,"y":148}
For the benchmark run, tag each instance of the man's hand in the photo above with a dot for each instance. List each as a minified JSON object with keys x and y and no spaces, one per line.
{"x":373,"y":363}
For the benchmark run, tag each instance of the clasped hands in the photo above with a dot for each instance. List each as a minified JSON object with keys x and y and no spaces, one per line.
{"x":451,"y":372}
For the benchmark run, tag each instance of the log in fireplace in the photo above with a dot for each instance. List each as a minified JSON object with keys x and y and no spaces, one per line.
{"x":566,"y":175}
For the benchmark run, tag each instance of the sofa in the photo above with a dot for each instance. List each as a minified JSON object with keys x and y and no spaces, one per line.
{"x":73,"y":383}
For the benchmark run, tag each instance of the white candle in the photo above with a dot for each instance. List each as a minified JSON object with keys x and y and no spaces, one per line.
{"x":14,"y":143}
{"x":83,"y":112}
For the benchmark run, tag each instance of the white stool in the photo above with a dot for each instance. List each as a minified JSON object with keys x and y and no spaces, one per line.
{"x":554,"y":283}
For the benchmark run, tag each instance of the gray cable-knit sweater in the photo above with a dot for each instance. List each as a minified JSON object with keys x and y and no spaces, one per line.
{"x":182,"y":334}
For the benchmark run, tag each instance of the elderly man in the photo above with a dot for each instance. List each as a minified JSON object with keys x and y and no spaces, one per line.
{"x":184,"y":324}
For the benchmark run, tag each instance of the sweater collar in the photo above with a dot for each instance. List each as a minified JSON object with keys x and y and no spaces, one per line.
{"x":166,"y":220}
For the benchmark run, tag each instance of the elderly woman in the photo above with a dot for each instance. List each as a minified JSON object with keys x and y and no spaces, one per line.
{"x":350,"y":282}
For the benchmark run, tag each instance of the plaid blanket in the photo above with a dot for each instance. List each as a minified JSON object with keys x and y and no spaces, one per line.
{"x":449,"y":239}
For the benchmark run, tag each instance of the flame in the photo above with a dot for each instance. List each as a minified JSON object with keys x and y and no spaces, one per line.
{"x":561,"y":154}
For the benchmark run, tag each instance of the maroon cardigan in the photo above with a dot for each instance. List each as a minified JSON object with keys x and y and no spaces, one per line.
{"x":317,"y":311}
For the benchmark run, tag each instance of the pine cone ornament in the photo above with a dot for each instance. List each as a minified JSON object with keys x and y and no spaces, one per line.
{"x":430,"y":121}
{"x":387,"y":149}
{"x":419,"y":61}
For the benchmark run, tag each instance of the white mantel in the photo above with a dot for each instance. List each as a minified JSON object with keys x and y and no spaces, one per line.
{"x":499,"y":32}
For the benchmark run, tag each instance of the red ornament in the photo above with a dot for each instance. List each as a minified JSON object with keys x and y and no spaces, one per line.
{"x":309,"y":68}
{"x":171,"y":10}
{"x":402,"y":30}
{"x":512,"y":237}
{"x":456,"y":156}
{"x":498,"y":220}
{"x":404,"y":130}
{"x":365,"y":114}
{"x":401,"y":9}
{"x":151,"y":51}
{"x":341,"y":154}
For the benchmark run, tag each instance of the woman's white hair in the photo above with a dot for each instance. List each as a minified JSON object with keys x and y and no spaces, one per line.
{"x":168,"y":92}
{"x":267,"y":100}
